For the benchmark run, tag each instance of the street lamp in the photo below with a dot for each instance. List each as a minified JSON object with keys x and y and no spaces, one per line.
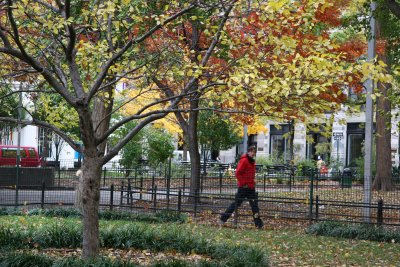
{"x":369,"y":84}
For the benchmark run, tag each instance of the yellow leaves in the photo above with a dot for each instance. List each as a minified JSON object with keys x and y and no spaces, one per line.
{"x":257,"y":127}
{"x":277,"y":5}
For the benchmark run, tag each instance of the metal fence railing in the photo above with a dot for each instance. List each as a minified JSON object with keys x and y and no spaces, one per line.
{"x":283,"y":194}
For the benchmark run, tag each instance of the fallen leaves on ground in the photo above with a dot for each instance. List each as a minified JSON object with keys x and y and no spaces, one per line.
{"x":140,"y":257}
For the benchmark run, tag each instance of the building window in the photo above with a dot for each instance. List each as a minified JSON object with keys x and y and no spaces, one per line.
{"x":279,"y":142}
{"x":317,"y":143}
{"x":354,"y":148}
{"x":355,"y":140}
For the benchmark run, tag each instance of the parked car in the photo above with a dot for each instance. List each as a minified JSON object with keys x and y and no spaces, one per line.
{"x":29,"y":156}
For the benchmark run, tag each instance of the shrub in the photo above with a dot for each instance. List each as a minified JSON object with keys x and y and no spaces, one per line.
{"x":139,"y":236}
{"x":56,"y":212}
{"x":35,"y":260}
{"x":58,"y":235}
{"x":157,"y":217}
{"x":354,"y":231}
{"x":25,"y":260}
{"x":10,"y":211}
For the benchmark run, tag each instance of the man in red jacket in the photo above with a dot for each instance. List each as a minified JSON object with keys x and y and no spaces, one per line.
{"x":245,"y":175}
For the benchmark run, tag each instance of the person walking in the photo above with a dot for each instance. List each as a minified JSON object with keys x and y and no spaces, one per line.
{"x":245,"y":175}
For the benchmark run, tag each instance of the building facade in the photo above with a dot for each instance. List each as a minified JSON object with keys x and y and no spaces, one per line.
{"x":342,"y":145}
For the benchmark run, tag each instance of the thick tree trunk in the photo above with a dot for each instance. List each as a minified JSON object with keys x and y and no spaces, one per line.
{"x":185,"y":151}
{"x":99,"y":120}
{"x":194,"y":162}
{"x":383,"y":179}
{"x":78,"y":190}
{"x":90,"y":206}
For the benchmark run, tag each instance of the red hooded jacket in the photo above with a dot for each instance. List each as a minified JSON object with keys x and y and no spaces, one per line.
{"x":246,"y":172}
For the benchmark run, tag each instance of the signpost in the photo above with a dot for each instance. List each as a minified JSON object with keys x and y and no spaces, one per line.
{"x":337,"y":136}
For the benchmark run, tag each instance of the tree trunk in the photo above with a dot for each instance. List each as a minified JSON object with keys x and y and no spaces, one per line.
{"x":185,"y":151}
{"x":90,"y":209}
{"x":93,"y":124}
{"x":383,"y":179}
{"x":78,"y":190}
{"x":195,"y":167}
{"x":291,"y":143}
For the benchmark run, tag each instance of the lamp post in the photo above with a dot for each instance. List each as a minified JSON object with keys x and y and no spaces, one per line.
{"x":18,"y":145}
{"x":369,"y":84}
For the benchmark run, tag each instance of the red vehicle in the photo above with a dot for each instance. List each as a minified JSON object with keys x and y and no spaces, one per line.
{"x":29,"y":156}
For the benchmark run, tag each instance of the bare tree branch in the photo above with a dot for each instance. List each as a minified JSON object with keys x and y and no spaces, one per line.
{"x":46,"y":125}
{"x":101,"y":76}
{"x":49,"y":6}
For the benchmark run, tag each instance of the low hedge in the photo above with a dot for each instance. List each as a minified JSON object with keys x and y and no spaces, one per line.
{"x":156,"y":217}
{"x":354,"y":231}
{"x":36,"y":260}
{"x":68,"y":234}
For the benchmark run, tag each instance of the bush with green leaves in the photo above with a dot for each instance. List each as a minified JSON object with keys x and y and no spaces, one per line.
{"x":37,"y":260}
{"x":125,"y":235}
{"x":354,"y":231}
{"x":24,"y":260}
{"x":156,"y":217}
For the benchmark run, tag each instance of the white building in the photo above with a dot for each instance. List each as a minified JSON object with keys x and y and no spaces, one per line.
{"x":345,"y":141}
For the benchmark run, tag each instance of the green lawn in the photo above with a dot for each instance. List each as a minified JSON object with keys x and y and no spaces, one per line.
{"x":285,"y":247}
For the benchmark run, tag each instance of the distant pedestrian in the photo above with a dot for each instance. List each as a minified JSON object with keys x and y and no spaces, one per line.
{"x":320,"y":162}
{"x":245,"y":175}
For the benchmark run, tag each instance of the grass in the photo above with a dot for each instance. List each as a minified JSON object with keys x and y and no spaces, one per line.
{"x":286,"y":247}
{"x":34,"y":232}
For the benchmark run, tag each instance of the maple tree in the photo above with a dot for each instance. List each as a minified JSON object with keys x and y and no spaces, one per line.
{"x":187,"y":59}
{"x":81,"y":50}
{"x":275,"y":58}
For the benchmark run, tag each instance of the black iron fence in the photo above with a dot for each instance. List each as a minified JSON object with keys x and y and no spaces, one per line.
{"x":283,"y":193}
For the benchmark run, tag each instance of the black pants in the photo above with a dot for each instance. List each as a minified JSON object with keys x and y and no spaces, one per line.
{"x":241,"y":195}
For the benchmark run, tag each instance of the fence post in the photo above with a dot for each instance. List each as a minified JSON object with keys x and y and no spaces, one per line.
{"x":310,"y":211}
{"x":104,"y":176}
{"x":220,"y":182}
{"x":196,"y":195}
{"x":265,"y":180}
{"x":168,"y":187}
{"x":184,"y":182}
{"x":122,"y":193}
{"x":111,"y":196}
{"x":236,"y":214}
{"x":155,"y":197}
{"x":141,"y":187}
{"x":201,"y":182}
{"x":59,"y":174}
{"x":42,"y":198}
{"x":316,"y":207}
{"x":179,"y":200}
{"x":135,"y":177}
{"x":379,"y":215}
{"x":153,"y":182}
{"x":129,"y":197}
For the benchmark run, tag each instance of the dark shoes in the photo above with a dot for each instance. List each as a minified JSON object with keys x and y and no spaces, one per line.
{"x":258,"y":223}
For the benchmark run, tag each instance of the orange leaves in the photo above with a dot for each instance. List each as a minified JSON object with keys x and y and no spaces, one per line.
{"x":330,"y":15}
{"x":381,"y":46}
{"x":352,"y":50}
